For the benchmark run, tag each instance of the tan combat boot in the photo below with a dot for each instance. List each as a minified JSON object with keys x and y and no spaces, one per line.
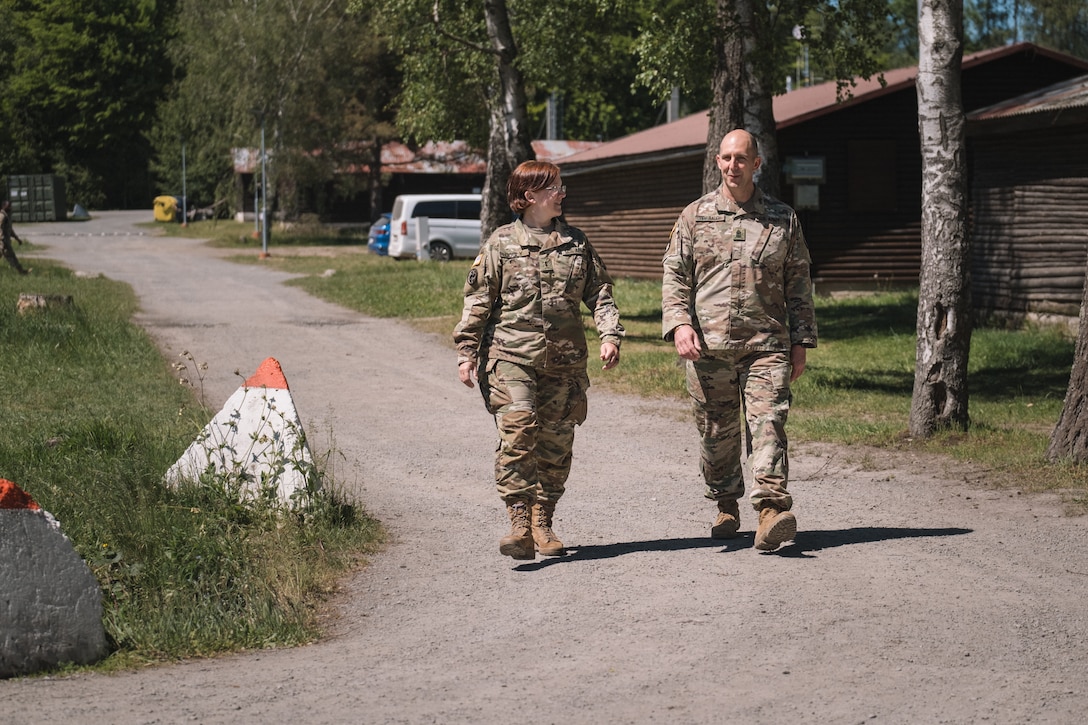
{"x":547,"y":543}
{"x":519,"y":543}
{"x":728,"y":522}
{"x":775,"y":528}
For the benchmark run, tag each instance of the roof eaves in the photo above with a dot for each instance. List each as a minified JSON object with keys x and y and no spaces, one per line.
{"x":619,"y":162}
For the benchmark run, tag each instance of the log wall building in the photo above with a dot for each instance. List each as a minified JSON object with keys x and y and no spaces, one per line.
{"x":1029,"y":194}
{"x":866,"y":232}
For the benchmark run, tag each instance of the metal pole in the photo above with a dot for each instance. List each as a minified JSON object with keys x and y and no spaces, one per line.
{"x":184,"y":193}
{"x":264,"y":195}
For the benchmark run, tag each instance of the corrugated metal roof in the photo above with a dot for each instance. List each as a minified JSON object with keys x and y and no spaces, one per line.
{"x":688,"y":134}
{"x":1072,"y":93}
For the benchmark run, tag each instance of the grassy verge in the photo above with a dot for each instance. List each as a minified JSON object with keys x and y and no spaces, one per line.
{"x":93,"y":420}
{"x":857,"y":387}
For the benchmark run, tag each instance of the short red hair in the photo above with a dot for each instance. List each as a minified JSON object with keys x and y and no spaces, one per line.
{"x":528,"y":176}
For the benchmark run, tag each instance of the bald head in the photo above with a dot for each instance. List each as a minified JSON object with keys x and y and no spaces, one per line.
{"x":739,"y":138}
{"x":738,"y":159}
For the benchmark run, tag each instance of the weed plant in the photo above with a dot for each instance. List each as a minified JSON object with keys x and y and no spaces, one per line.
{"x":93,"y":420}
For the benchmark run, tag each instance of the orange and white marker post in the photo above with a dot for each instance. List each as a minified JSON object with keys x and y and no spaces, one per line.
{"x":257,"y":440}
{"x":50,"y":601}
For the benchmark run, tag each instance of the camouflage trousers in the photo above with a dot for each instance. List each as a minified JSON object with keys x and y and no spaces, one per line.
{"x":535,"y":413}
{"x":730,"y":388}
{"x":8,"y":253}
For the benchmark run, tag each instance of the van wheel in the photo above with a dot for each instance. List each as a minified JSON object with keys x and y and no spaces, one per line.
{"x":441,"y":252}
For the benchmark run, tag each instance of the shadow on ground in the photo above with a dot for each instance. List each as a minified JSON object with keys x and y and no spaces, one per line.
{"x":806,"y":541}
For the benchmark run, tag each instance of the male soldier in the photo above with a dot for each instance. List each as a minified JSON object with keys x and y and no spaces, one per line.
{"x":737,"y":303}
{"x":6,"y":233}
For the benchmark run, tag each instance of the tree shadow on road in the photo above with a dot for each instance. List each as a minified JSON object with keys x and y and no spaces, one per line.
{"x":806,"y":542}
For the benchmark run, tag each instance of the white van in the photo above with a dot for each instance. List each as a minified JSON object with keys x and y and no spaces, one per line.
{"x":453,"y":220}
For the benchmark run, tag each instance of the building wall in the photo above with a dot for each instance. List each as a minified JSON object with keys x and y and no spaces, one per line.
{"x":867,"y":230}
{"x":1030,"y":222}
{"x":628,"y":212}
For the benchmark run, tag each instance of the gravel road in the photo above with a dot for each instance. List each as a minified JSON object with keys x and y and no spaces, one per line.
{"x":911,"y":595}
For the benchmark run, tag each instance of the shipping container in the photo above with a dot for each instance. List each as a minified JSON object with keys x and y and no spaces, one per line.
{"x":37,"y":198}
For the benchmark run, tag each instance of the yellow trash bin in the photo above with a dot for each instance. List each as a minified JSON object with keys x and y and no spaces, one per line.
{"x":166,"y":208}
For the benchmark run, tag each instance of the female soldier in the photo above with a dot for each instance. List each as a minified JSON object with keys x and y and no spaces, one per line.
{"x":521,"y":336}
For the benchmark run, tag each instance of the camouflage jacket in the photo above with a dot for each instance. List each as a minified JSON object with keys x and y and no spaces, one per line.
{"x":522,"y":300}
{"x":739,"y":275}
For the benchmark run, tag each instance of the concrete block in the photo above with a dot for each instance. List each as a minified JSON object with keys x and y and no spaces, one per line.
{"x":257,"y":437}
{"x":50,"y":601}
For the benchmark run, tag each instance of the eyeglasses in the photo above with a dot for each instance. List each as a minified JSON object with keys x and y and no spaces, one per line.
{"x":561,"y":189}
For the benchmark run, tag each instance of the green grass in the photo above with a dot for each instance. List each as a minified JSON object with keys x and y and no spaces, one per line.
{"x":94,"y":418}
{"x":856,"y":389}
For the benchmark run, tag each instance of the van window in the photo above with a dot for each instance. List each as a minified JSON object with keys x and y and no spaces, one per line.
{"x":468,"y":210}
{"x":436,"y":209}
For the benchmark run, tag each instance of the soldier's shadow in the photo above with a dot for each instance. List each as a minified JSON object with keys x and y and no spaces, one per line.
{"x":806,"y":542}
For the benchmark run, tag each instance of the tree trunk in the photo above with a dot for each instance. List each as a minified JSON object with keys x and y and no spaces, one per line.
{"x":758,"y":101}
{"x":374,"y":179}
{"x":727,"y":106}
{"x":944,"y":312}
{"x":740,"y":98}
{"x":509,"y":140}
{"x":1070,"y":438}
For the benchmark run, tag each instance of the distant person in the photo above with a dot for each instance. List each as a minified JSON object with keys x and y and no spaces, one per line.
{"x":521,"y":336}
{"x":6,"y":234}
{"x":737,"y":303}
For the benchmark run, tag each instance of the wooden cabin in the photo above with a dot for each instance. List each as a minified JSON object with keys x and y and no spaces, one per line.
{"x":1029,"y":204}
{"x":862,"y":220}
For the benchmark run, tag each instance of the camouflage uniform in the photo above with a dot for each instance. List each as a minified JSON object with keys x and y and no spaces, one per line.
{"x":522,"y":326}
{"x":6,"y":233}
{"x":739,"y":275}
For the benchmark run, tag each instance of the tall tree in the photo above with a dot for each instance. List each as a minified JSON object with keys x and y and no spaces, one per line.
{"x":78,"y":89}
{"x":743,"y":55}
{"x":308,"y":70}
{"x":468,"y":66}
{"x":1058,"y":24}
{"x":1069,"y":441}
{"x":509,"y":140}
{"x":944,"y":314}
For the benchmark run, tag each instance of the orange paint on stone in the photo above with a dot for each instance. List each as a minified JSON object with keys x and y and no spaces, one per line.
{"x":268,"y":375}
{"x":13,"y":497}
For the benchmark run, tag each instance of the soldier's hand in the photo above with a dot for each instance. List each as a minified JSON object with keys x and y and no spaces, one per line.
{"x":467,"y":372}
{"x":687,"y":342}
{"x":798,"y":356}
{"x":610,"y":354}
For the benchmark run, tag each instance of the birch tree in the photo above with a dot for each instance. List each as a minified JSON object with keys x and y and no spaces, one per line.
{"x":944,"y":315}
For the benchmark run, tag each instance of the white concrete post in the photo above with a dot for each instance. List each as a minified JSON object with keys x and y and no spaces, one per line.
{"x":423,"y":235}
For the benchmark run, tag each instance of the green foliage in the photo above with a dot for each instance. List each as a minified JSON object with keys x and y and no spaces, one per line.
{"x":842,"y":40}
{"x":1058,"y":24}
{"x":93,"y":419}
{"x":583,"y":51}
{"x":319,"y":79}
{"x":78,"y":87}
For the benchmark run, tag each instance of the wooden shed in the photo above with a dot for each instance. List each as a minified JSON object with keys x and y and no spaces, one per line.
{"x":863,"y":223}
{"x":1029,"y":199}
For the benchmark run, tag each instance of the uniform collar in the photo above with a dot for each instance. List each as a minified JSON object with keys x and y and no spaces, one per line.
{"x":754,"y":205}
{"x":526,"y":239}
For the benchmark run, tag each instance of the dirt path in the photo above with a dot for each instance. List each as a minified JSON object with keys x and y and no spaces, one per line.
{"x":909,"y":596}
